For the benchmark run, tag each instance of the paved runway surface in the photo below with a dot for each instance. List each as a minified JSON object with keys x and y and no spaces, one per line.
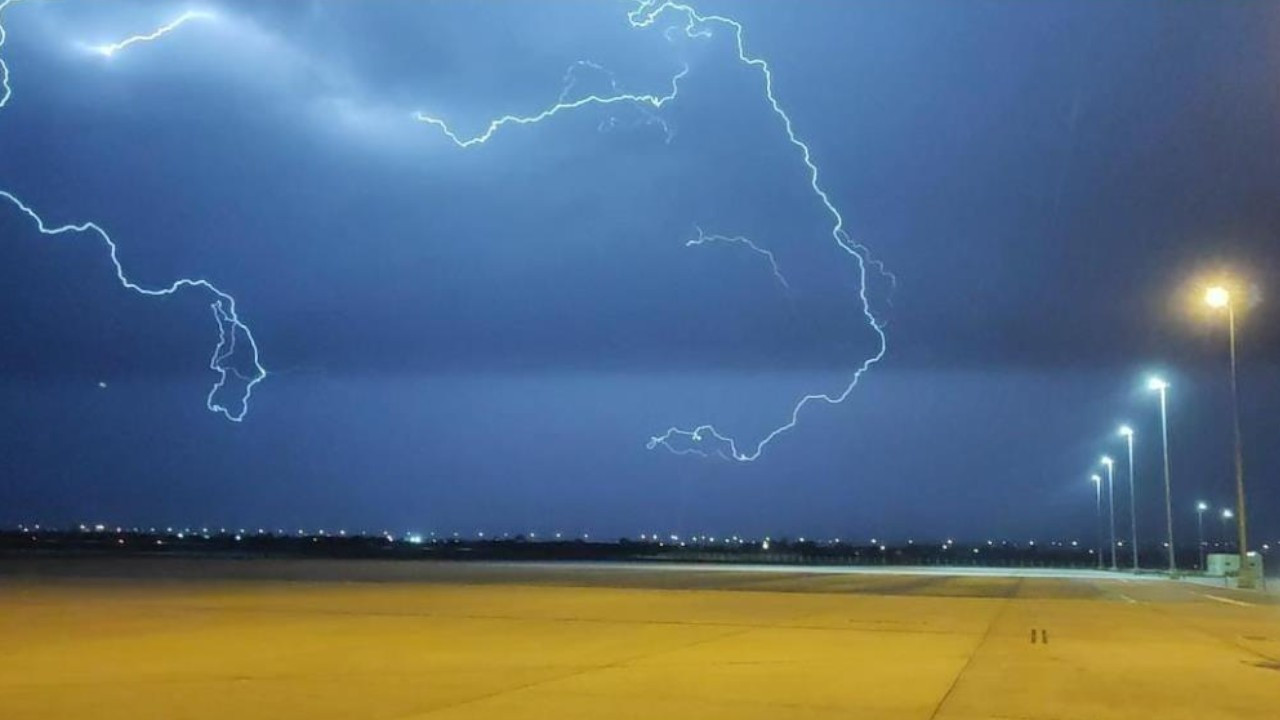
{"x":172,"y":639}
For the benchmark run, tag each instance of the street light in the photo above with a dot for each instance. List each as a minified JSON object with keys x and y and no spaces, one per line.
{"x":1127,"y":433}
{"x":1158,"y":385}
{"x":1111,"y":502}
{"x":1226,"y":518}
{"x":1097,"y":486}
{"x":1218,"y":297}
{"x":1200,"y":508}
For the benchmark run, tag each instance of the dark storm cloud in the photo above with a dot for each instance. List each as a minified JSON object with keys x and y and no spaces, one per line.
{"x":1040,"y":176}
{"x":1034,"y":176}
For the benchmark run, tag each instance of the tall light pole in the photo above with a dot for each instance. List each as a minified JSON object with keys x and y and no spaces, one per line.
{"x":1162,"y":387}
{"x":1111,"y":503}
{"x":1226,"y":518}
{"x":1127,"y":433}
{"x":1097,"y":486}
{"x":1200,"y":508}
{"x":1219,"y":298}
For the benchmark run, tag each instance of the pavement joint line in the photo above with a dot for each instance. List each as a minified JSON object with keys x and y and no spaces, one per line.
{"x":1228,"y":600}
{"x":986,"y":635}
{"x":1128,"y":599}
{"x":732,"y":702}
{"x":620,"y":662}
{"x":1198,"y":628}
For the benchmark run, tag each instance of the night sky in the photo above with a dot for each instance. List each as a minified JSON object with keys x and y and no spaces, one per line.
{"x":486,"y":338}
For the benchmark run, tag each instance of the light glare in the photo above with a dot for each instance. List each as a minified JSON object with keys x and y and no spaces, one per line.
{"x":1217,"y":297}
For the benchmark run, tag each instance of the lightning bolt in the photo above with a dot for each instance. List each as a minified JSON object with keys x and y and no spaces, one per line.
{"x":571,"y":81}
{"x":654,"y":102}
{"x":223,"y":361}
{"x":111,"y":49}
{"x":699,"y":26}
{"x":571,"y":78}
{"x":704,"y":238}
{"x":5,"y":91}
{"x":223,"y":306}
{"x":646,"y":14}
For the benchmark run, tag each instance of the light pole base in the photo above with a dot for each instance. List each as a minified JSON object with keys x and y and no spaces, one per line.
{"x":1248,"y":578}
